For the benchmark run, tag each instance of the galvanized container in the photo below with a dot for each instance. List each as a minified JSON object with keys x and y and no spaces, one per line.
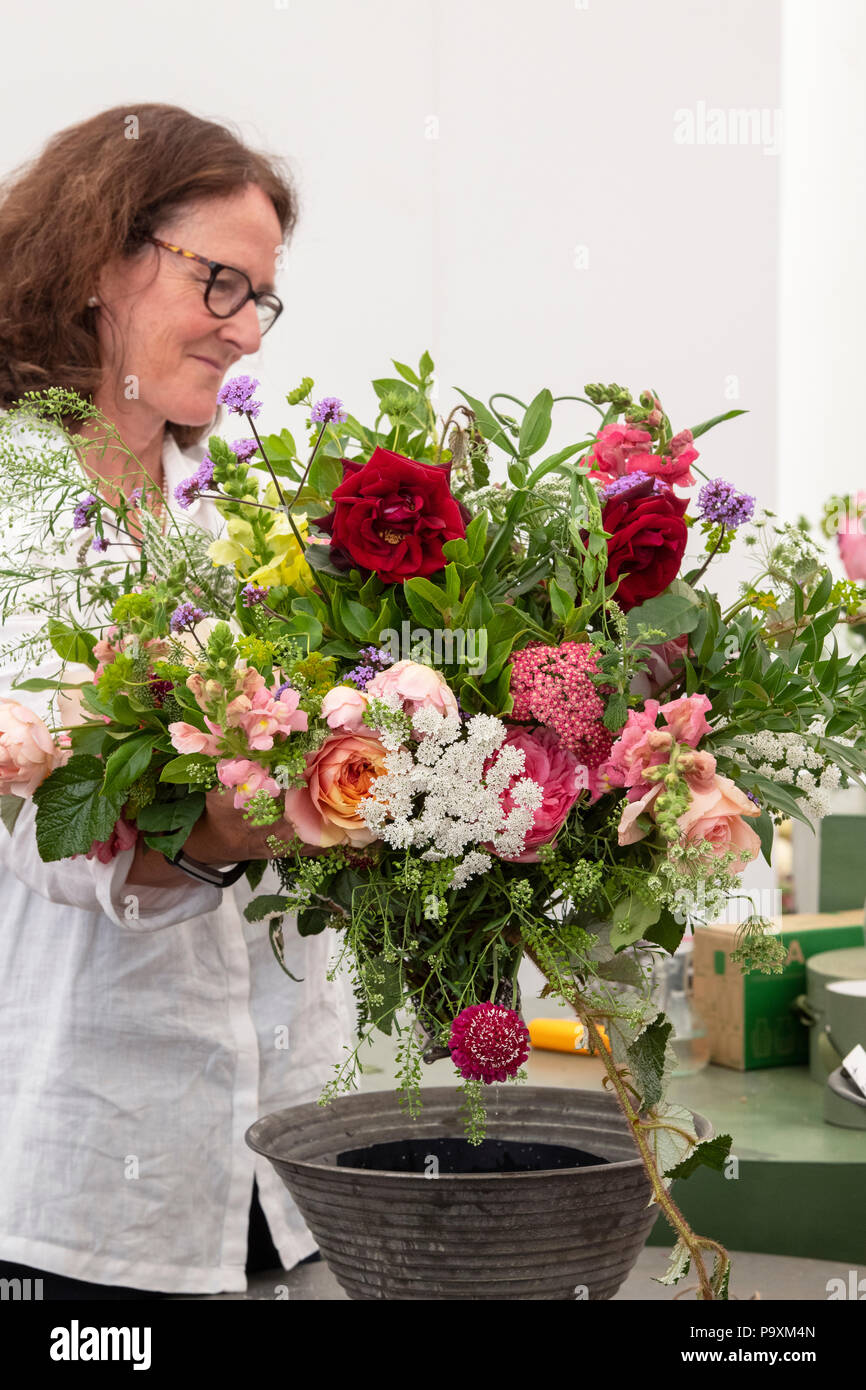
{"x":560,"y":1233}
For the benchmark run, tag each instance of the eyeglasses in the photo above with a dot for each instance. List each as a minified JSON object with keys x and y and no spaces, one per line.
{"x":227,"y":289}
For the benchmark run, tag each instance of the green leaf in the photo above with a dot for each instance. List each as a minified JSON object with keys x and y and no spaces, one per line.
{"x":666,"y":932}
{"x":10,"y":806}
{"x":763,"y":825}
{"x":476,"y":537}
{"x":407,"y":373}
{"x":128,"y":762}
{"x":672,"y":613}
{"x":561,"y":602}
{"x":616,"y":712}
{"x":266,"y":905}
{"x":70,"y":812}
{"x":711,"y":1153}
{"x":646,"y":1056}
{"x":698,"y":430}
{"x":177,"y":817}
{"x":38,"y":683}
{"x":431,"y":592}
{"x":254,"y":872}
{"x":536,"y":424}
{"x":71,"y":644}
{"x":178,"y":769}
{"x":678,"y":1265}
{"x":488,"y":424}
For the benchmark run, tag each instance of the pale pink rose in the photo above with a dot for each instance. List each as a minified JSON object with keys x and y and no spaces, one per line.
{"x":268,"y":717}
{"x":124,"y":836}
{"x":419,"y":687}
{"x":339,"y":776}
{"x":186,"y":738}
{"x":28,"y":753}
{"x":343,"y":708}
{"x":557,"y":772}
{"x":715,"y":817}
{"x":852,"y":542}
{"x":685,"y":718}
{"x":247,"y":778}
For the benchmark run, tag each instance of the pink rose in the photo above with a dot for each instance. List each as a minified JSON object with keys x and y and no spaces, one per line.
{"x":418,"y":687}
{"x":247,"y":778}
{"x":124,"y":836}
{"x":343,"y":708}
{"x":852,"y":543}
{"x":614,"y":446}
{"x":28,"y":753}
{"x":186,"y":738}
{"x":560,"y":776}
{"x":338,"y":777}
{"x":715,"y":817}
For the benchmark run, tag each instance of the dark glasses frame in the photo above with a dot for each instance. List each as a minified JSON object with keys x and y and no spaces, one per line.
{"x":258,"y":296}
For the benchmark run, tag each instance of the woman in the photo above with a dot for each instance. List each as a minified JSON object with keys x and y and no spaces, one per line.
{"x":145,"y":1024}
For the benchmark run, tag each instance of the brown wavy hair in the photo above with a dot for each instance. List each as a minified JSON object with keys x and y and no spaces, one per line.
{"x":93,"y":193}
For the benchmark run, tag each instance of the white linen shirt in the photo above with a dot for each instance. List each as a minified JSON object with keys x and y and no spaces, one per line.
{"x":137,"y":1050}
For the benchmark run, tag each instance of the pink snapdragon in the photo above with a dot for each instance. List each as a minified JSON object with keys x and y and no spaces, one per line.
{"x":247,"y":778}
{"x":265,"y":716}
{"x":186,"y":738}
{"x":614,"y":445}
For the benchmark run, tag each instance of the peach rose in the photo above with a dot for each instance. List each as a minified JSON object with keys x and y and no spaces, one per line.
{"x":716,"y":818}
{"x":338,"y":776}
{"x":28,"y":752}
{"x":419,"y":687}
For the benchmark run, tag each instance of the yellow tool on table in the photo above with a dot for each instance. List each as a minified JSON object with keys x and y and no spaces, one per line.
{"x":563,"y":1035}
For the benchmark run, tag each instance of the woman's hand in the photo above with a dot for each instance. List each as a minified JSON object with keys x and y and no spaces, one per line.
{"x":220,"y":836}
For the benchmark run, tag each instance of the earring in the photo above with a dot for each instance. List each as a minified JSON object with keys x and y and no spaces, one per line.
{"x":92,"y":301}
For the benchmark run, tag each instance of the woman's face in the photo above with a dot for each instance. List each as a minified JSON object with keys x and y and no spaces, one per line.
{"x":156,"y":300}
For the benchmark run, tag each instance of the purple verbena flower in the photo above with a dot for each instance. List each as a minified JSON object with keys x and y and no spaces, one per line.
{"x":329,"y":408}
{"x":237,"y":396}
{"x":135,"y":496}
{"x":253,"y":593}
{"x":625,"y":483}
{"x":83,"y":510}
{"x":244,"y":449}
{"x":720,"y":502}
{"x":376,"y":660}
{"x":185,"y":615}
{"x":188,"y":489}
{"x":99,"y":543}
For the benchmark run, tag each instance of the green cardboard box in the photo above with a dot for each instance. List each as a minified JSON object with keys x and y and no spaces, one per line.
{"x":750,"y":1019}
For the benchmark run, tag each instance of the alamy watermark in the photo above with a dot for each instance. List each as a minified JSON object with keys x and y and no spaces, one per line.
{"x":731,"y":125}
{"x":438,"y":646}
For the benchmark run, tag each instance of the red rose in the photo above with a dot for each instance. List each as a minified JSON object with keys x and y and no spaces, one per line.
{"x":393,"y":515}
{"x":648,"y":538}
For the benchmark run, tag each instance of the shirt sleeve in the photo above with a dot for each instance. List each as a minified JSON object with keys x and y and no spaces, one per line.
{"x":94,"y":886}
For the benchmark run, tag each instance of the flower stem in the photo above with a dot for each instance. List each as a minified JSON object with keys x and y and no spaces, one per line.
{"x":285,"y":506}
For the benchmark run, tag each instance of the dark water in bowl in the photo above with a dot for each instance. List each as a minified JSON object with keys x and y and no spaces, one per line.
{"x":459,"y":1156}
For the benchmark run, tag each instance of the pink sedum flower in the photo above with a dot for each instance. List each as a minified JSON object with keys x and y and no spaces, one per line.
{"x":418,"y":687}
{"x":28,"y":753}
{"x":343,"y":708}
{"x":247,"y":778}
{"x":338,"y":777}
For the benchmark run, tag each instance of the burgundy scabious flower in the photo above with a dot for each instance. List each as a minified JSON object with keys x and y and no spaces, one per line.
{"x":488,"y":1042}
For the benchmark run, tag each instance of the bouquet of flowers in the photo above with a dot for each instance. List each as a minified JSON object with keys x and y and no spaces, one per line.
{"x":480,"y":703}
